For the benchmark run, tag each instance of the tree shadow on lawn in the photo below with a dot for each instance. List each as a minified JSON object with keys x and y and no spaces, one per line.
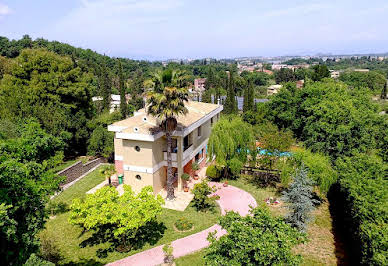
{"x":85,"y":262}
{"x":151,"y":233}
{"x":263,"y":179}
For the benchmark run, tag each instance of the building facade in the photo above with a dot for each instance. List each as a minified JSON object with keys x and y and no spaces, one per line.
{"x":141,"y":147}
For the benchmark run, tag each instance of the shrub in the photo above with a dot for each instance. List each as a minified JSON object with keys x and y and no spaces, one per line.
{"x":300,"y":197}
{"x":201,"y":192}
{"x":319,"y":166}
{"x":195,"y":166}
{"x":168,"y":256}
{"x":34,"y":260}
{"x":213,"y":172}
{"x":257,"y":239}
{"x":49,"y":249}
{"x":235,"y":166}
{"x":183,"y":224}
{"x":185,"y":176}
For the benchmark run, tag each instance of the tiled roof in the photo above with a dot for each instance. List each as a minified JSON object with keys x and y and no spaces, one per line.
{"x":142,"y":123}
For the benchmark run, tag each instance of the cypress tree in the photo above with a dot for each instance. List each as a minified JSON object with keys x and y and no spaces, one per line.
{"x":123,"y":99}
{"x":230,"y":102}
{"x":105,"y":87}
{"x":251,"y":97}
{"x":206,"y":96}
{"x":384,"y":92}
{"x":248,"y":98}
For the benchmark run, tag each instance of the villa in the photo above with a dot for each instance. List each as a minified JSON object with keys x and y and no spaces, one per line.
{"x":140,"y":146}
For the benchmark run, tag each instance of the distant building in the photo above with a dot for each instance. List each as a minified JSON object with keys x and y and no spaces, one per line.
{"x":269,"y":72}
{"x":199,"y":84}
{"x":300,"y":84}
{"x":334,"y":74}
{"x":361,"y":70}
{"x":114,"y":103}
{"x":273,"y":89}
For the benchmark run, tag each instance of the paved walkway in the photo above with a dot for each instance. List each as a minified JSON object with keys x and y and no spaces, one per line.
{"x":231,"y":198}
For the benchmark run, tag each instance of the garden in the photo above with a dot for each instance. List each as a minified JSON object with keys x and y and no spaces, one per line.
{"x":71,"y":244}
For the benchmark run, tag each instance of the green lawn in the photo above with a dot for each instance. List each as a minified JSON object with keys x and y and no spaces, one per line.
{"x":319,"y":250}
{"x":192,"y":259}
{"x":81,"y":187}
{"x":68,"y":237}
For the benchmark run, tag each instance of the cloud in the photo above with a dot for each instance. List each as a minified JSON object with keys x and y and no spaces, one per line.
{"x":4,"y":10}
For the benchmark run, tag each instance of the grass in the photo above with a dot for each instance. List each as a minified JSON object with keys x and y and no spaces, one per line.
{"x":319,"y":250}
{"x":192,"y":259}
{"x":68,"y":237}
{"x":81,"y":187}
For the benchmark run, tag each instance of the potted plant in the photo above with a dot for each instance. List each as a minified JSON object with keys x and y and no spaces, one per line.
{"x":186,"y":178}
{"x":195,"y":167}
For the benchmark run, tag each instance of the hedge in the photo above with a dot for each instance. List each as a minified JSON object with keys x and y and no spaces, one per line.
{"x":363,"y":186}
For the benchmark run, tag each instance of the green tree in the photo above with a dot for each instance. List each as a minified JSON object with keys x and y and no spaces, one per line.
{"x":101,"y":142}
{"x":231,"y":139}
{"x":257,"y":239}
{"x":384,"y":92}
{"x":300,"y":198}
{"x":249,"y":98}
{"x":319,"y":168}
{"x":105,"y":86}
{"x":123,"y":98}
{"x":272,"y":141}
{"x":124,"y":215}
{"x":24,"y":190}
{"x":206,"y":96}
{"x":371,"y":79}
{"x":284,"y":75}
{"x":329,"y":116}
{"x":320,"y":72}
{"x":230,"y":106}
{"x":47,"y":87}
{"x":167,"y":103}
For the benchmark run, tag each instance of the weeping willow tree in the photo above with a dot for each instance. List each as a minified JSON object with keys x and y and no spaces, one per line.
{"x":231,"y":142}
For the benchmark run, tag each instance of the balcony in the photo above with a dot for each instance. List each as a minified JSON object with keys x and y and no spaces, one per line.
{"x":188,"y":151}
{"x":173,"y":156}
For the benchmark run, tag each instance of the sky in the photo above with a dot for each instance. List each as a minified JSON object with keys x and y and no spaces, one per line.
{"x":163,"y":29}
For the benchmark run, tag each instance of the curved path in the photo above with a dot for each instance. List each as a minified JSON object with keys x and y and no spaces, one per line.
{"x":231,"y":199}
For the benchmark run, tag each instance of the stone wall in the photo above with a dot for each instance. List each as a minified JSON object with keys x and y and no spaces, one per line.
{"x":78,"y":169}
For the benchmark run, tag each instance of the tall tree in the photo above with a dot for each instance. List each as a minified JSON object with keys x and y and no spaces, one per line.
{"x":105,"y":88}
{"x":123,"y":99}
{"x":248,"y":98}
{"x":230,"y":103}
{"x":384,"y":92}
{"x":167,"y":104}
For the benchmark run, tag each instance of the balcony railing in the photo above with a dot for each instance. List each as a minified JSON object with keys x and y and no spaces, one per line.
{"x":173,"y":156}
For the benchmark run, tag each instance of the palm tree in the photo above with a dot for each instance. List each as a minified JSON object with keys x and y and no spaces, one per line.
{"x":166,"y":103}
